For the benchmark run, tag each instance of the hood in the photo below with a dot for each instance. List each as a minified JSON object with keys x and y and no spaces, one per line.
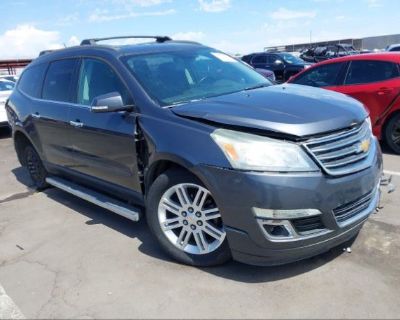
{"x":287,"y":109}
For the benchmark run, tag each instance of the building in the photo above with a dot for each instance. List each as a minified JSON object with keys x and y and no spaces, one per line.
{"x":13,"y":66}
{"x":368,"y":43}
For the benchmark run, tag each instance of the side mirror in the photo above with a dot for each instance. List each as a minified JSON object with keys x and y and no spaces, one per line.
{"x":110,"y":102}
{"x":278,"y":61}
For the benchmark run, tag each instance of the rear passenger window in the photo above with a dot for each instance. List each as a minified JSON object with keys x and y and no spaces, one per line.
{"x":31,"y":80}
{"x":371,"y":71}
{"x":259,"y":59}
{"x":58,"y":83}
{"x":323,"y":76}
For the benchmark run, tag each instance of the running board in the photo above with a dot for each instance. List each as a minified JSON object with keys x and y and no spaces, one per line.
{"x":97,"y":198}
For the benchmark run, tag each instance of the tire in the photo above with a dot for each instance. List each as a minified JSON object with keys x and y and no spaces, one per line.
{"x":392,"y":133}
{"x":183,"y":229}
{"x":35,"y":168}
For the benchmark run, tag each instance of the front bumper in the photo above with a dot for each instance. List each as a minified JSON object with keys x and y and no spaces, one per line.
{"x":236,"y":193}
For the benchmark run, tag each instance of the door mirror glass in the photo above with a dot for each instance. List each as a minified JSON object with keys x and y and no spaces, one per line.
{"x":110,"y":102}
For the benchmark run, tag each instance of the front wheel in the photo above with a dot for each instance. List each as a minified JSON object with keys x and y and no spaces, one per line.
{"x":392,"y":133}
{"x":185,"y":219}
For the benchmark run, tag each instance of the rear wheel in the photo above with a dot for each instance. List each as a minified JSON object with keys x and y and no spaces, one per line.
{"x":186,"y":221}
{"x":35,"y":168}
{"x":392,"y":133}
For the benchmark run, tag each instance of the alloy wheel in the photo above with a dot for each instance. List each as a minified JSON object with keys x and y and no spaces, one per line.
{"x":396,"y":133}
{"x":190,"y":219}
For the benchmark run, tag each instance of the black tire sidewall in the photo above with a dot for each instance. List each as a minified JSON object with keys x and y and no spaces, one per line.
{"x":41,"y":183}
{"x":161,"y":184}
{"x":388,"y":133}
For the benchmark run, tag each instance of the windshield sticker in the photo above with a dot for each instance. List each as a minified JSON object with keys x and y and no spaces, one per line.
{"x":223,"y":57}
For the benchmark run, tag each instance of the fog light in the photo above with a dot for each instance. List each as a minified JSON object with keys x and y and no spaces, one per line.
{"x":285,"y":214}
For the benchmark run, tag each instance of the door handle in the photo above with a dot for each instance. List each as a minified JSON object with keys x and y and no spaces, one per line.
{"x":36,"y":115}
{"x":383,"y":91}
{"x":76,"y":124}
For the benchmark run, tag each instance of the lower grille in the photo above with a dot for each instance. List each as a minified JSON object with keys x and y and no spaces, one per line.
{"x":351,"y":209}
{"x":305,"y":226}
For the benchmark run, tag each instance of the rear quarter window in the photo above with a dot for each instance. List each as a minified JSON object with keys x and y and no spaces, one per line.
{"x":31,"y":80}
{"x":58,"y":82}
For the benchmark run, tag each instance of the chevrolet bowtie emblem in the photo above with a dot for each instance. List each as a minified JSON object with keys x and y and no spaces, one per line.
{"x":364,"y":146}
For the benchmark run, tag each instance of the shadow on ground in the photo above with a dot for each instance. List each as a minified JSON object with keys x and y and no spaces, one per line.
{"x":233,"y":270}
{"x":5,"y":133}
{"x":22,"y":176}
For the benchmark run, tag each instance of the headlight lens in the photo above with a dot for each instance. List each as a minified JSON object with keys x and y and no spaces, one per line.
{"x":368,"y":121}
{"x":251,"y":152}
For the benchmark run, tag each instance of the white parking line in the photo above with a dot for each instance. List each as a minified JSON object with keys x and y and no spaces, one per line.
{"x":8,"y":309}
{"x":393,"y":173}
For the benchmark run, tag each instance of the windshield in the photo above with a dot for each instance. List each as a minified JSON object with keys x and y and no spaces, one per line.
{"x":289,"y":58}
{"x":6,"y":85}
{"x":181,"y":76}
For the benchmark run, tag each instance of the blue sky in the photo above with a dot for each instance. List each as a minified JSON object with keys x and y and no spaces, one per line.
{"x":235,"y":26}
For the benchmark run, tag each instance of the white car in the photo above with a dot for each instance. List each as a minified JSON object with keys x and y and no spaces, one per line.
{"x":9,"y":77}
{"x":6,"y":87}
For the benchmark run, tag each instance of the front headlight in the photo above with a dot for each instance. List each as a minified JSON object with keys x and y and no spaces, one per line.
{"x":252,"y":152}
{"x":368,"y":121}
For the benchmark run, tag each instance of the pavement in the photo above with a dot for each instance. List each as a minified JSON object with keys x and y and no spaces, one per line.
{"x":61,"y":257}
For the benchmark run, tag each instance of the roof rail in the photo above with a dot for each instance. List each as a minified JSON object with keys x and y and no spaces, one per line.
{"x":95,"y":40}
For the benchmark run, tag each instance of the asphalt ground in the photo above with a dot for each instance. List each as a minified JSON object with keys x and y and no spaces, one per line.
{"x":61,"y":257}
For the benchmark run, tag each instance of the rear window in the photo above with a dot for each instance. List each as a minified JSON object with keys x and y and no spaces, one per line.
{"x":58,"y":83}
{"x":31,"y":80}
{"x":371,"y":71}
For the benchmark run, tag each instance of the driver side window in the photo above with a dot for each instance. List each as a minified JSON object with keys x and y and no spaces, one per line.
{"x":97,"y":78}
{"x":323,"y":76}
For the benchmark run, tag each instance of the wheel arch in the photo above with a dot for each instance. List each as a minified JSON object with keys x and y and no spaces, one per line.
{"x":21,"y":140}
{"x":163,"y":163}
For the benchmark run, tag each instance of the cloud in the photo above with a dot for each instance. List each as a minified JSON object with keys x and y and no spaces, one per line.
{"x":214,"y":5}
{"x":104,"y":15}
{"x":374,"y":3}
{"x":73,"y":41}
{"x":190,"y":36}
{"x":26,"y":41}
{"x":286,"y":14}
{"x":141,"y":3}
{"x":68,"y":19}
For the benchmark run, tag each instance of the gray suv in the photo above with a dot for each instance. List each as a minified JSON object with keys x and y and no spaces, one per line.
{"x":221,"y":163}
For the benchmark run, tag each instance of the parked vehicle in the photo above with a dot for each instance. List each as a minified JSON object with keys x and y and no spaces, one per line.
{"x":283,"y":64}
{"x":323,"y":53}
{"x":373,"y":79}
{"x":222,"y":163}
{"x":268,"y":74}
{"x":6,"y":88}
{"x":393,"y":48}
{"x":9,"y":77}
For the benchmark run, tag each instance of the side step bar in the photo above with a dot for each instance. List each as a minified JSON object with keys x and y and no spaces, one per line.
{"x":97,"y":198}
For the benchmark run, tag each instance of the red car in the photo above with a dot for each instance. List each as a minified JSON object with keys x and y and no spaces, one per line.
{"x":373,"y":79}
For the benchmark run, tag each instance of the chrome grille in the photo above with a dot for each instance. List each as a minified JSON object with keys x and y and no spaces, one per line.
{"x":342,"y":153}
{"x":351,"y":209}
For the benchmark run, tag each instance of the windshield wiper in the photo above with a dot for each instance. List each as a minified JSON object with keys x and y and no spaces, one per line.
{"x":257,"y":87}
